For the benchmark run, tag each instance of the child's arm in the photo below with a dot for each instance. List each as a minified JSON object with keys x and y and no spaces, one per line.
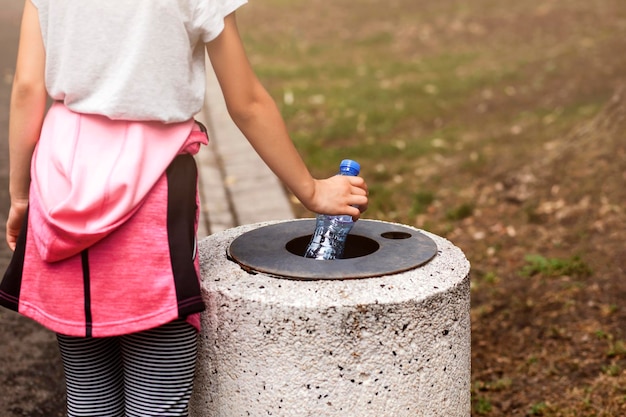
{"x":28,"y":103}
{"x":253,"y":110}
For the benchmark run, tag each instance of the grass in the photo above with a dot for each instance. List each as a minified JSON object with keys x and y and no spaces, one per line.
{"x":440,"y":102}
{"x":617,"y":349}
{"x":482,"y":405}
{"x":421,"y":201}
{"x":552,"y":267}
{"x":418,"y":88}
{"x":538,"y":409}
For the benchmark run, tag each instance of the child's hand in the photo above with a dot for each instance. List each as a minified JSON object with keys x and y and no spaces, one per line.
{"x":15,"y":221}
{"x":339,"y":195}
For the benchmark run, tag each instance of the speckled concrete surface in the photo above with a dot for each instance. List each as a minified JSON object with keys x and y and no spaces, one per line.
{"x":397,"y":345}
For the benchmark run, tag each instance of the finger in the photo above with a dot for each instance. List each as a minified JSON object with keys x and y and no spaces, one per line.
{"x":357,"y":182}
{"x":360,"y":188}
{"x":11,"y":241}
{"x":358,"y":191}
{"x":357,"y":200}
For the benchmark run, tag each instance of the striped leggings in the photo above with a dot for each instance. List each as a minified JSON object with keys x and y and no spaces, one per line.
{"x":143,"y":374}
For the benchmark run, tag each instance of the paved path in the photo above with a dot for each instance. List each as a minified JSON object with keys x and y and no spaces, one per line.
{"x":236,"y":187}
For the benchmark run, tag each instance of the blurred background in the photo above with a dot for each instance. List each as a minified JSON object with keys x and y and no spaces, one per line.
{"x":499,"y":125}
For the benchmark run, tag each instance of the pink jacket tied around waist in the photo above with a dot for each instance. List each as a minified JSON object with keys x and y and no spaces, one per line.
{"x":90,"y":174}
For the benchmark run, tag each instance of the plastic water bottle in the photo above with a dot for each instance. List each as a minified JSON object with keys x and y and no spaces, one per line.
{"x":329,"y":238}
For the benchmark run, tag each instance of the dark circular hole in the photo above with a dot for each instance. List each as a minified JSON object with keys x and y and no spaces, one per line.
{"x":396,"y":235}
{"x":356,"y":246}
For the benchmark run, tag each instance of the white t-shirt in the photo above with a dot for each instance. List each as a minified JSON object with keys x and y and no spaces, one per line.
{"x":130,"y":59}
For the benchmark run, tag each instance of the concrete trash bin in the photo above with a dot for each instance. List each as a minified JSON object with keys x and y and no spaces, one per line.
{"x":384,"y":332}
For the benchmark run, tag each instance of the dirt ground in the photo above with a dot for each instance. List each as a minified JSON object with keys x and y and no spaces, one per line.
{"x":540,"y":174}
{"x":549,"y":332}
{"x":552,"y":341}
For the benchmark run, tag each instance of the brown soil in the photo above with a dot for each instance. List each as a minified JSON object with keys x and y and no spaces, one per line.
{"x":537,"y":179}
{"x":553,"y":342}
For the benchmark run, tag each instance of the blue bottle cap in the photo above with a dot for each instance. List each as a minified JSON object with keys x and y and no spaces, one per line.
{"x":349,"y":167}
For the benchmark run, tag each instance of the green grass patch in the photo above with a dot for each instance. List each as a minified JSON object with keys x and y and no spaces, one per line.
{"x":421,"y":201}
{"x":553,"y":267}
{"x":617,"y":348}
{"x":538,"y":409}
{"x":460,"y":212}
{"x":481,"y":405}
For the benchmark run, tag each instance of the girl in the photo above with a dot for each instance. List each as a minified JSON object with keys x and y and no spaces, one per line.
{"x":103,"y":191}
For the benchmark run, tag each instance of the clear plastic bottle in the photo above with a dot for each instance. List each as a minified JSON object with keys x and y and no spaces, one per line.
{"x":329,"y":239}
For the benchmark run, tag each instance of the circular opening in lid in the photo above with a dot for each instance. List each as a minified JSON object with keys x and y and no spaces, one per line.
{"x":356,"y":246}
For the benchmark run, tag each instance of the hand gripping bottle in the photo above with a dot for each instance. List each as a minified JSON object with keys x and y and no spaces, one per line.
{"x":329,"y":238}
